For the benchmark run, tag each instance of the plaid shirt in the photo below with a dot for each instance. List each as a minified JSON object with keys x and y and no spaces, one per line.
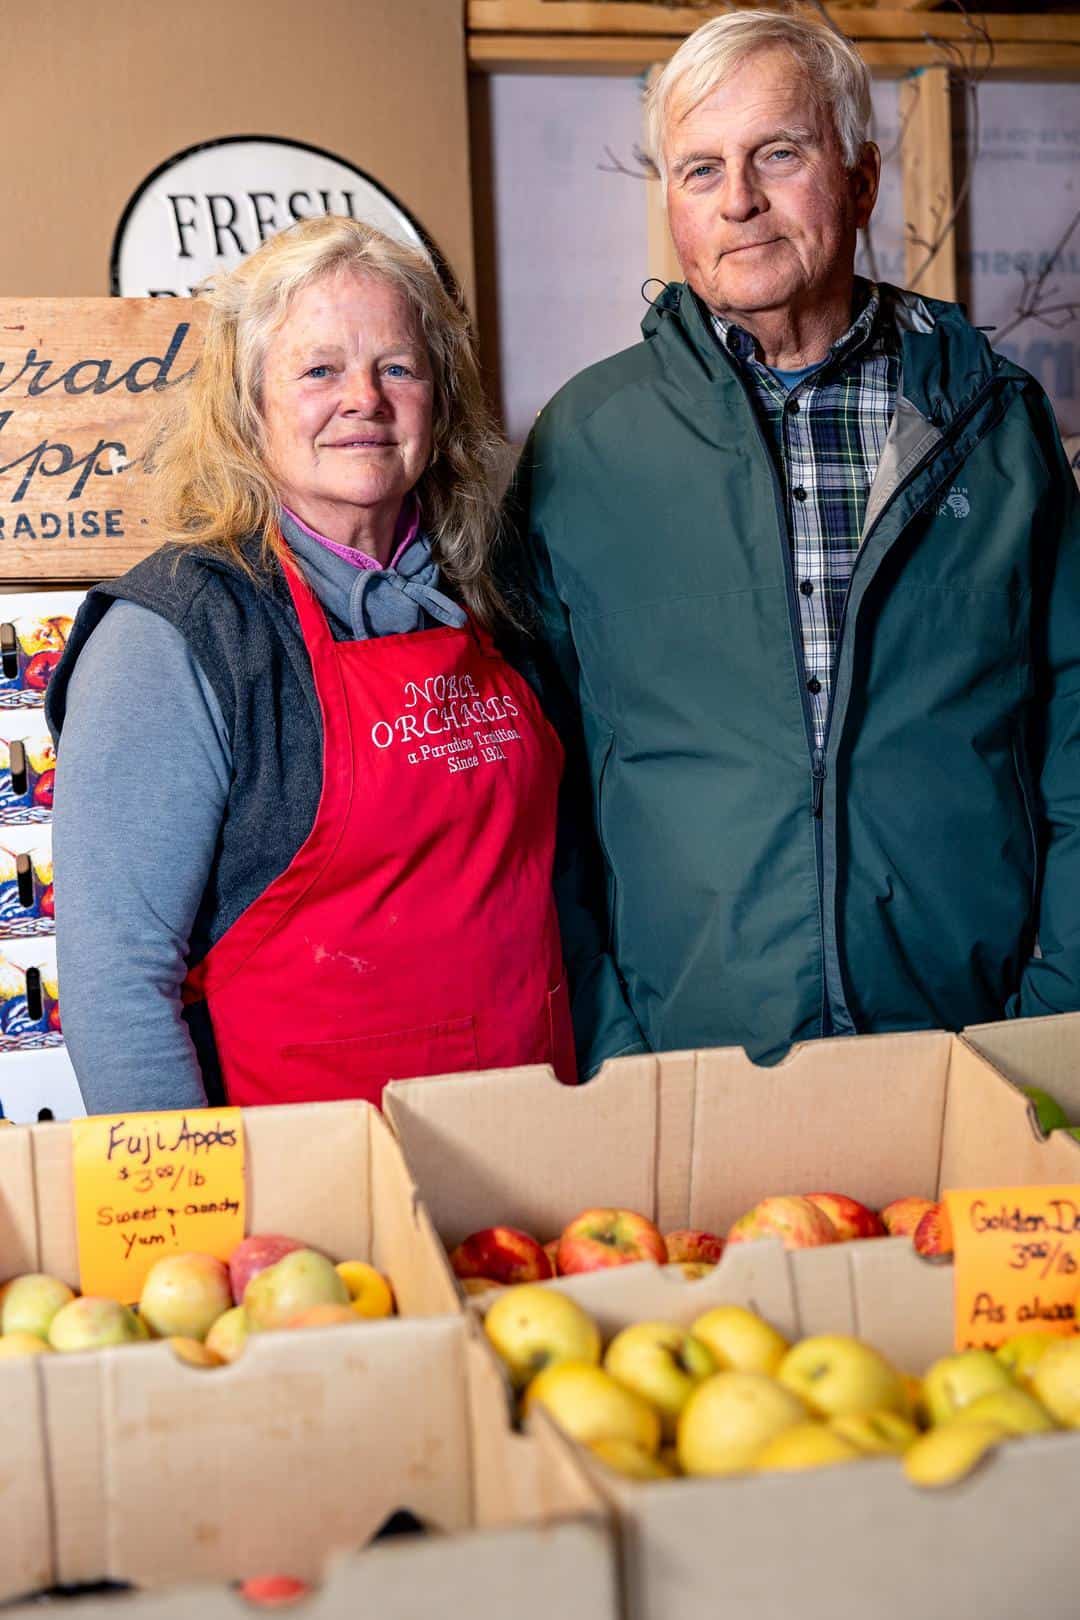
{"x":828,"y":434}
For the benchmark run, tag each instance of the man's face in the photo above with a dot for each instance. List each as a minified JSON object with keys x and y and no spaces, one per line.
{"x":763,"y":212}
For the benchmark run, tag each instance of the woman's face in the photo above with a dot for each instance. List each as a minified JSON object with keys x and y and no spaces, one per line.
{"x":346,"y":400}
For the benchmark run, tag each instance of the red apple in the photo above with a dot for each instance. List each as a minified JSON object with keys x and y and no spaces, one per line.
{"x":273,"y":1591}
{"x":551,"y":1249}
{"x":933,"y":1235}
{"x":46,"y":904}
{"x":503,"y":1253}
{"x":479,"y":1285}
{"x":43,"y":790}
{"x":850,"y":1218}
{"x":687,"y":1244}
{"x":902,"y":1216}
{"x":797,"y":1222}
{"x":253,"y":1255}
{"x":39,"y":670}
{"x":609,"y":1237}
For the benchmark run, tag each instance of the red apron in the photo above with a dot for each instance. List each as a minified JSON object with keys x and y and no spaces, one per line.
{"x":414,"y":932}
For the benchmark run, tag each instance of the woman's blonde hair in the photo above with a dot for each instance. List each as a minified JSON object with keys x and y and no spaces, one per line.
{"x":215,"y":487}
{"x":834,"y":68}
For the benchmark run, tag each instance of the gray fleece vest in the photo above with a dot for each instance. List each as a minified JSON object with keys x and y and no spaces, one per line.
{"x":246,"y":637}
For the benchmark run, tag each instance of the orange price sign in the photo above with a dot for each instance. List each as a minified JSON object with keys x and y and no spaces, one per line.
{"x":150,"y":1185}
{"x":1017,"y":1262}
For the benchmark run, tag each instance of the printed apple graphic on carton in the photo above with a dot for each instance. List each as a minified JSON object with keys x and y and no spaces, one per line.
{"x":43,"y":790}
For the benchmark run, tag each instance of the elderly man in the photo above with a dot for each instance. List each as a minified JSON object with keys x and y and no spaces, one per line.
{"x":804,"y":572}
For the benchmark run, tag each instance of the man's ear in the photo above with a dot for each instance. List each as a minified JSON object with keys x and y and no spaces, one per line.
{"x":865,"y":178}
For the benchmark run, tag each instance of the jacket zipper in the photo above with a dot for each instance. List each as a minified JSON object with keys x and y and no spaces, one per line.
{"x":920,"y":466}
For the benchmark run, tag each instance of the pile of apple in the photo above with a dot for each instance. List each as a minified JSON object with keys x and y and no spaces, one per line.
{"x":730,"y":1395}
{"x":499,"y":1256}
{"x":203,"y":1306}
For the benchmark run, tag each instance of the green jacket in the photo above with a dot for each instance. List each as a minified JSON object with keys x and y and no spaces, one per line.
{"x":742,"y":888}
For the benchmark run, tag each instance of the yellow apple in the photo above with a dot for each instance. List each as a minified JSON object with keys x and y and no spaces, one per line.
{"x":805,"y":1445}
{"x":194,"y":1352}
{"x":955,"y":1381}
{"x":1014,"y":1410}
{"x":88,"y":1323}
{"x":591,"y":1405}
{"x":292,"y":1284}
{"x":1021,"y":1354}
{"x":369,"y":1292}
{"x":662,"y":1363}
{"x":949,"y":1452}
{"x":22,"y":1344}
{"x":730,"y":1418}
{"x":876,"y":1434}
{"x":740,"y":1340}
{"x":228,"y":1335}
{"x":630,"y":1460}
{"x":183,"y":1296}
{"x":1056,"y":1382}
{"x":533,"y":1328}
{"x":29,"y":1303}
{"x":835,"y":1373}
{"x":324,"y":1315}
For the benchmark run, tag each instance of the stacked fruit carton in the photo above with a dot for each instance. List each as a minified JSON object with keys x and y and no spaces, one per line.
{"x":693,"y":1140}
{"x":128,"y":1464}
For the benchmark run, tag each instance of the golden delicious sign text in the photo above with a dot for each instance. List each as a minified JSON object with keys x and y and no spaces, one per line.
{"x":1017,"y":1262}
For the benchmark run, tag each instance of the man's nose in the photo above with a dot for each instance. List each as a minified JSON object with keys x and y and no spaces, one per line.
{"x":741,"y":198}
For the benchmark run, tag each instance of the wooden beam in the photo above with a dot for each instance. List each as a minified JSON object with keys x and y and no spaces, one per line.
{"x":584,"y":53}
{"x":898,"y":21}
{"x":926,"y":167}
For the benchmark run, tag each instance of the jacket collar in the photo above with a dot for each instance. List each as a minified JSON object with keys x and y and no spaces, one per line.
{"x":945,"y":361}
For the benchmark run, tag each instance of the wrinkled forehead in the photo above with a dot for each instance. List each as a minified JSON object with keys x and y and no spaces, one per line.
{"x":765,"y":90}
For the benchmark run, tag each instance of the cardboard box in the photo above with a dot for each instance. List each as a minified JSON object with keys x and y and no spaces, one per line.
{"x":694,"y":1139}
{"x":565,"y":1568}
{"x":842,"y":1543}
{"x":1036,"y":1052}
{"x":158,"y":1471}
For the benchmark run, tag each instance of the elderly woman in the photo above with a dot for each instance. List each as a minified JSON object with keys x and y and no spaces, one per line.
{"x":305,"y":811}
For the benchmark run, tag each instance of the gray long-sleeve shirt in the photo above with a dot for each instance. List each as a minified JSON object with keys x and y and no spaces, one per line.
{"x":143,"y":776}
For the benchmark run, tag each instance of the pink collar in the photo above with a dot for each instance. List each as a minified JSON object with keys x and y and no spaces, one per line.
{"x":408,"y":525}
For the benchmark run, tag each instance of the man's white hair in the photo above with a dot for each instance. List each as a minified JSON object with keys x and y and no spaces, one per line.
{"x":835,"y":70}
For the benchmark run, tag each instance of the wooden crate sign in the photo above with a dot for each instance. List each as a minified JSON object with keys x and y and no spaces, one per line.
{"x":81,"y":383}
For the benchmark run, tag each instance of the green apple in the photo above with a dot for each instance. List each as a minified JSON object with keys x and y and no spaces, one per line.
{"x":663,"y":1363}
{"x":293,"y":1284}
{"x":1048,"y":1111}
{"x":93,"y":1324}
{"x":29,"y":1303}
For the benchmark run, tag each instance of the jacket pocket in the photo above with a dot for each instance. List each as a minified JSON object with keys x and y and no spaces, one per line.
{"x":561,"y":1033}
{"x":361,"y":1065}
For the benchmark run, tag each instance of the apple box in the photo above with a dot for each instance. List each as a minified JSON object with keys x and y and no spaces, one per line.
{"x":695,"y":1139}
{"x":564,"y":1567}
{"x":158,"y":1471}
{"x":840,"y":1543}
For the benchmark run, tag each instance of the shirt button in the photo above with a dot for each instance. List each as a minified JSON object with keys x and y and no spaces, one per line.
{"x":807,"y":587}
{"x":798,"y":493}
{"x":792,"y":406}
{"x":813,"y":685}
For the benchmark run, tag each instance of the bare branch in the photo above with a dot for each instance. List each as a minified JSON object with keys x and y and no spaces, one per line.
{"x":646,"y":168}
{"x":1034,"y":289}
